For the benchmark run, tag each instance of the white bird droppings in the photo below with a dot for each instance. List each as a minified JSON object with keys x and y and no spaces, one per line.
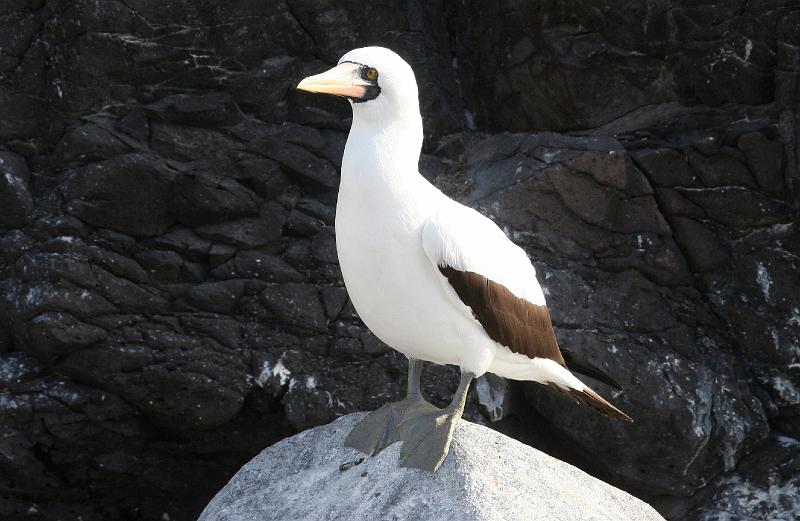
{"x":764,"y":280}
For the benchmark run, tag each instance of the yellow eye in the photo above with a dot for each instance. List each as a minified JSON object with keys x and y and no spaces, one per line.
{"x":372,"y":74}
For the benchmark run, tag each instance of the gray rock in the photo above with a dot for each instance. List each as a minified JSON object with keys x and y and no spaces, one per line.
{"x":487,"y":476}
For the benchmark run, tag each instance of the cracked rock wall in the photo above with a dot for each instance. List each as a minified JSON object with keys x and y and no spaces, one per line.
{"x":170,"y":301}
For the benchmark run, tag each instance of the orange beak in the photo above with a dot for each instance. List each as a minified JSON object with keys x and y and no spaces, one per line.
{"x":342,"y":80}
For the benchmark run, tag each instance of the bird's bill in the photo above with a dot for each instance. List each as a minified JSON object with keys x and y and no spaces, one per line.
{"x":342,"y":80}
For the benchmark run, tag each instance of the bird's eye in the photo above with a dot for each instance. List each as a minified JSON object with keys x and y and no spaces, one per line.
{"x":372,"y":74}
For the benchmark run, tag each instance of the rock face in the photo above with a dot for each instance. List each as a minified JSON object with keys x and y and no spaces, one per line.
{"x":170,"y":300}
{"x":486,"y":477}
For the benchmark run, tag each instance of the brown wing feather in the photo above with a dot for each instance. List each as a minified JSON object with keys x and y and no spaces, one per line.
{"x":516,"y":323}
{"x":520,"y":325}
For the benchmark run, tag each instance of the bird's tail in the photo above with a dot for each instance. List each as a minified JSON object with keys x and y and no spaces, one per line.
{"x":588,"y":397}
{"x":577,"y":363}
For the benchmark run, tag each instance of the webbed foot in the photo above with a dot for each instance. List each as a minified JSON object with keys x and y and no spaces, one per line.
{"x":426,"y":438}
{"x":379,"y":429}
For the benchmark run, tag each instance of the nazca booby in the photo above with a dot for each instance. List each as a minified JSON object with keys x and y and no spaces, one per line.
{"x":432,"y":278}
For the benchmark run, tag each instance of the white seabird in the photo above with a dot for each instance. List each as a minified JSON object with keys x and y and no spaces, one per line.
{"x":432,"y":278}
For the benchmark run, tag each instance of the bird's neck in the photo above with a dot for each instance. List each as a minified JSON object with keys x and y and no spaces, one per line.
{"x":383,"y":149}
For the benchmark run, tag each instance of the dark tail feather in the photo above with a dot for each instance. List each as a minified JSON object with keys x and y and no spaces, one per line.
{"x":576,"y":362}
{"x":595,"y":401}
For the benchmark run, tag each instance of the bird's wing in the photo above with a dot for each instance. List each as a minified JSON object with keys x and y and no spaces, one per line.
{"x":496,"y":281}
{"x":494,"y":278}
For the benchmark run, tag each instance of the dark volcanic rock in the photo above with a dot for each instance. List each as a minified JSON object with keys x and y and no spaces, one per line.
{"x":296,"y":305}
{"x":212,"y":109}
{"x":86,"y":144}
{"x":127,"y":193}
{"x":255,"y":265}
{"x":581,"y":230}
{"x":56,"y":334}
{"x":766,"y":488}
{"x":14,"y":196}
{"x":562,"y":67}
{"x":201,"y":197}
{"x":170,"y":298}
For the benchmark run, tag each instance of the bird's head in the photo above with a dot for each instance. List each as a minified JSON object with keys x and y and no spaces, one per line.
{"x":376,"y":81}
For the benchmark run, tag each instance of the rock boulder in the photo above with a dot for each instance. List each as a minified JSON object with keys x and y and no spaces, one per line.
{"x":487,"y":476}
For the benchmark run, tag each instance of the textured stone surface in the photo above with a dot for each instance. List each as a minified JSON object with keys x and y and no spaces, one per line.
{"x":15,"y":199}
{"x":486,"y":477}
{"x":170,"y":301}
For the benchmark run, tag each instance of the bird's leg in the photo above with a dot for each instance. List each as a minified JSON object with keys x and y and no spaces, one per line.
{"x":414,"y":373}
{"x":426,"y":436}
{"x":378,"y":429}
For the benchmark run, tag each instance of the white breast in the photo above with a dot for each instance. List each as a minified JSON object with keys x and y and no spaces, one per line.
{"x":389,"y":279}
